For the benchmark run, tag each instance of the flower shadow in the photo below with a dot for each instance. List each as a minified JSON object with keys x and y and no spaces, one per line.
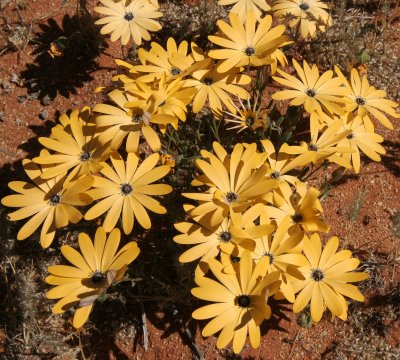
{"x":391,"y":159}
{"x":66,"y":56}
{"x":278,"y":310}
{"x":32,"y":145}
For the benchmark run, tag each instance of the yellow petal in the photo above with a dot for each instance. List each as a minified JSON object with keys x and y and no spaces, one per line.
{"x":317,"y":303}
{"x":110,"y":248}
{"x":87,"y":250}
{"x":81,"y":316}
{"x":331,"y":299}
{"x":32,"y":224}
{"x":348,"y":290}
{"x":210,"y":311}
{"x":67,"y":271}
{"x":65,"y":289}
{"x":239,"y":338}
{"x":113,"y":214}
{"x":75,"y":258}
{"x":125,"y":256}
{"x":254,"y":334}
{"x":303,"y":298}
{"x":220,"y":321}
{"x":141,"y":214}
{"x":101,"y":207}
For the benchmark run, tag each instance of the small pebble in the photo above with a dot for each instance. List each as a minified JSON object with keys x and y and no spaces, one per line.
{"x":75,"y":102}
{"x":34,"y":86}
{"x":2,"y":116}
{"x":33,"y":95}
{"x":21,"y":99}
{"x":5,"y":84}
{"x":44,"y":114}
{"x":46,"y":100}
{"x":16,"y":80}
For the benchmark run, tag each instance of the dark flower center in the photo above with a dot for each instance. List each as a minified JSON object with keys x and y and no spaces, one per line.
{"x":175,"y":71}
{"x":231,"y":197}
{"x":297,"y":218}
{"x":129,"y":16}
{"x":304,"y":6}
{"x":55,"y":200}
{"x":350,"y":136}
{"x":317,"y":275}
{"x":250,"y":120}
{"x":311,"y":92}
{"x":137,"y":118}
{"x":313,"y":147}
{"x":243,"y":301}
{"x":235,"y":259}
{"x":275,"y":175}
{"x":207,"y":81}
{"x":126,"y":189}
{"x":225,"y":236}
{"x":360,"y":101}
{"x":84,"y":156}
{"x":98,"y":277}
{"x":249,"y":51}
{"x":271,"y":257}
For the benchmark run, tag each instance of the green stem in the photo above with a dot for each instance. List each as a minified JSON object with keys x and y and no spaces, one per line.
{"x":214,"y":128}
{"x":312,"y":172}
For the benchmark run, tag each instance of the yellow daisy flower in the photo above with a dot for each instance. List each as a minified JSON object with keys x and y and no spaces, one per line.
{"x":242,"y":7}
{"x":367,"y":100}
{"x":173,"y":61}
{"x":276,"y":246}
{"x":326,"y":278}
{"x":95,"y":269}
{"x":114,"y":123}
{"x":46,"y":202}
{"x":247,"y":116}
{"x":125,"y":189}
{"x":128,"y":19}
{"x":239,"y":301}
{"x":233,"y":234}
{"x":235,"y":182}
{"x":214,"y":88}
{"x":246,"y":44}
{"x":324,"y":146}
{"x":76,"y":150}
{"x":317,"y":93}
{"x":166,"y":100}
{"x":302,"y":207}
{"x":281,"y":162}
{"x":360,"y":140}
{"x":307,"y":15}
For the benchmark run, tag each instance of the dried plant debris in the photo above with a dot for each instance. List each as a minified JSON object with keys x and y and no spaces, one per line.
{"x":15,"y":36}
{"x":365,"y":337}
{"x":190,"y":22}
{"x":357,"y":38}
{"x":356,"y":206}
{"x":396,"y":224}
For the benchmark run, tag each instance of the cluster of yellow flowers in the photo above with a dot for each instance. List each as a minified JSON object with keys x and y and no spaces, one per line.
{"x":78,"y":171}
{"x":256,"y":220}
{"x":254,"y":227}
